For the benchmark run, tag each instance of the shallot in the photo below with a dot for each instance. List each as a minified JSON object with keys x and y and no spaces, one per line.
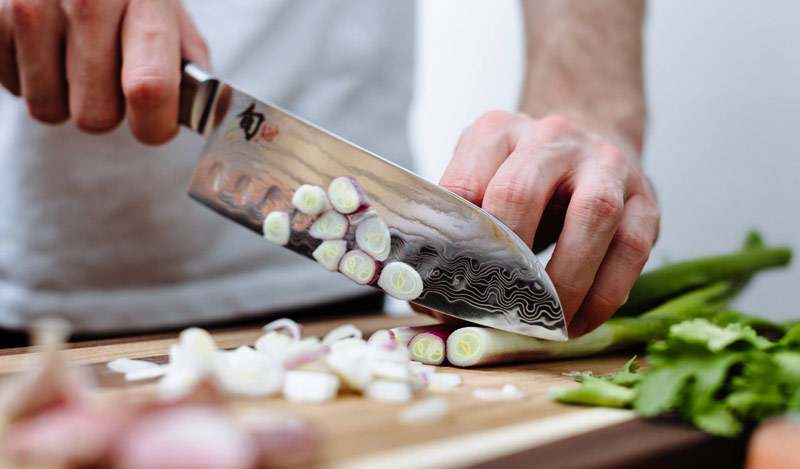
{"x":372,"y":236}
{"x":310,"y":386}
{"x":429,"y":347}
{"x":310,"y":199}
{"x":329,"y":253}
{"x":330,"y":225}
{"x":359,"y":267}
{"x":347,"y":196}
{"x":401,"y":281}
{"x":276,"y":227}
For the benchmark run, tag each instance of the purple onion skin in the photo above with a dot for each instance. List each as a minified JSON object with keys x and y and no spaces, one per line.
{"x":363,"y":198}
{"x":442,"y":332}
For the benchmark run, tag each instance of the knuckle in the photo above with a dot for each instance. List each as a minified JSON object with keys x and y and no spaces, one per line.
{"x":493,"y":120}
{"x":147,"y":92}
{"x":509,"y":192}
{"x":602,"y":204}
{"x":604,"y":303}
{"x":655,"y":222}
{"x":612,"y":155}
{"x":556,"y":124}
{"x":570,"y":294}
{"x":635,"y":243}
{"x":464,"y":185}
{"x":27,"y":13}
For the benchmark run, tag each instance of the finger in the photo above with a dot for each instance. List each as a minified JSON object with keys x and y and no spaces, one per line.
{"x":626,"y":257}
{"x":92,"y":63}
{"x":592,"y":218}
{"x":193,"y":46}
{"x":9,"y":74}
{"x":151,"y":69}
{"x":481,"y":149}
{"x":519,"y":191}
{"x":522,"y":187}
{"x":38,"y":40}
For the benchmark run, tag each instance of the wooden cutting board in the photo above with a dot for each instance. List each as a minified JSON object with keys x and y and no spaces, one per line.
{"x":359,"y":433}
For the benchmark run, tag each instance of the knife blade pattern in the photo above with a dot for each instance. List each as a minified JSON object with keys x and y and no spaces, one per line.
{"x":472,"y":266}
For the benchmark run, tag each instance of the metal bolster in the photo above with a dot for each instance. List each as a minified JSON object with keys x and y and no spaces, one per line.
{"x":198,"y":98}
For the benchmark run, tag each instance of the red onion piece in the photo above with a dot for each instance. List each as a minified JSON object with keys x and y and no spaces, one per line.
{"x":186,"y":436}
{"x":276,"y":227}
{"x":70,"y":436}
{"x":282,"y":440}
{"x":359,"y":267}
{"x":310,"y":199}
{"x":347,"y":196}
{"x":330,"y":225}
{"x":401,"y":281}
{"x":372,"y":236}
{"x":329,"y":253}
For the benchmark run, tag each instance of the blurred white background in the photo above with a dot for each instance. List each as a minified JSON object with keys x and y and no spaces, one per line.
{"x":723,"y":85}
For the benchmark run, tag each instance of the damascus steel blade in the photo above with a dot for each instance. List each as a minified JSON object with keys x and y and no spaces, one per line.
{"x":472,"y":266}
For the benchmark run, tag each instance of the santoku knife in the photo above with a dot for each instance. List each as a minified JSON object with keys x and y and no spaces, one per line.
{"x":472,"y":266}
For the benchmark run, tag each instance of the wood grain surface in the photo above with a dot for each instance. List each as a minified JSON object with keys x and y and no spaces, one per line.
{"x":361,"y":433}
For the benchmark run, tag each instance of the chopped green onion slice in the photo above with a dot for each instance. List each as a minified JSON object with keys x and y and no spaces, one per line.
{"x":401,"y":281}
{"x":276,"y":227}
{"x":372,"y":235}
{"x":330,"y":225}
{"x":359,"y":267}
{"x":347,"y":196}
{"x":329,"y":253}
{"x":310,"y":199}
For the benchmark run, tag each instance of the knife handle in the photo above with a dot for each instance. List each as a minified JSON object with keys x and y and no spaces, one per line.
{"x":200,"y":98}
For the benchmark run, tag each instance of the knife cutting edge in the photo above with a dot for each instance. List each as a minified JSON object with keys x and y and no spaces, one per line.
{"x":257,"y":155}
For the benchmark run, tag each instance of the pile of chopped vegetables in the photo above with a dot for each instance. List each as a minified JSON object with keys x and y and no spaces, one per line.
{"x":354,"y":240}
{"x":718,"y":378}
{"x":49,"y":418}
{"x":302,"y":369}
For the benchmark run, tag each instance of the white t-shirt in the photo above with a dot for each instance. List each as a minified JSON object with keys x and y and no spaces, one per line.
{"x":99,"y":229}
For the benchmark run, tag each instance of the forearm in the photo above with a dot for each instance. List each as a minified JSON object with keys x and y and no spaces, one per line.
{"x":584,"y":61}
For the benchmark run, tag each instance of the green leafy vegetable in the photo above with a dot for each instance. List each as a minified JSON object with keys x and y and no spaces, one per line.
{"x":655,"y":287}
{"x":719,"y":378}
{"x":595,"y":391}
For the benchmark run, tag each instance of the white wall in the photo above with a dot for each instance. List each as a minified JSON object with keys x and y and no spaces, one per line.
{"x":723,"y":80}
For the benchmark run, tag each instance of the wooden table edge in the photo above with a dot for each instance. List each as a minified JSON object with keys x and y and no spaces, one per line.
{"x":469,"y":449}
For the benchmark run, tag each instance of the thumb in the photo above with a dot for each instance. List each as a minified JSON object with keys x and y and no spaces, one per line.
{"x":193,"y":46}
